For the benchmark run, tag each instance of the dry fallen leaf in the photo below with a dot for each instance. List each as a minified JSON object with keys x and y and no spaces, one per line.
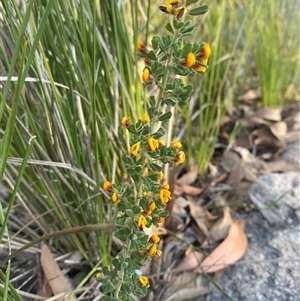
{"x":186,"y":286}
{"x":278,"y":129}
{"x":269,"y":114}
{"x":220,"y":229}
{"x":228,"y":252}
{"x":249,"y":96}
{"x":189,"y":177}
{"x":57,"y":281}
{"x":190,"y":190}
{"x":191,"y":260}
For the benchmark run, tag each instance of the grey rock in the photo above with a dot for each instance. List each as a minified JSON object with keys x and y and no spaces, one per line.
{"x":270,"y":269}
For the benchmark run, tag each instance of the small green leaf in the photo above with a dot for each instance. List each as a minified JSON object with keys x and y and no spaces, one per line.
{"x":146,"y":131}
{"x":199,"y":10}
{"x":169,"y":102}
{"x":106,"y":271}
{"x":117,"y":264}
{"x":164,"y":214}
{"x":155,"y":42}
{"x":165,"y":116}
{"x":177,"y":24}
{"x":169,"y":28}
{"x":152,"y":101}
{"x":155,"y":167}
{"x":161,"y":132}
{"x":167,"y":40}
{"x":191,"y":1}
{"x":180,"y":70}
{"x":151,"y":112}
{"x":107,"y":286}
{"x":188,"y":29}
{"x":186,"y":49}
{"x":151,"y":55}
{"x":196,"y":47}
{"x":177,"y":83}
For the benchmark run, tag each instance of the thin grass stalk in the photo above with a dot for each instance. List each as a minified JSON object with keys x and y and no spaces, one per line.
{"x":16,"y":53}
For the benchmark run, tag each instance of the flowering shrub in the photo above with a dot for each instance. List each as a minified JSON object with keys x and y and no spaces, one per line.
{"x":141,"y":201}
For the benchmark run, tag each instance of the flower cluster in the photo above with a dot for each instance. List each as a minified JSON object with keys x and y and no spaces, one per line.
{"x":141,"y":202}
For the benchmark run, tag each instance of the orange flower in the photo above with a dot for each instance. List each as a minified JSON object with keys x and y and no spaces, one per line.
{"x":144,"y":281}
{"x":165,"y":194}
{"x":160,"y":176}
{"x":146,"y":75}
{"x":153,"y":144}
{"x":190,"y":60}
{"x":160,"y":219}
{"x":145,"y":119}
{"x":155,"y":239}
{"x":98,"y":276}
{"x":134,"y":149}
{"x":107,"y":186}
{"x":176,"y":144}
{"x":205,"y":52}
{"x":125,"y":121}
{"x":142,"y":222}
{"x":140,"y":46}
{"x":115,"y":198}
{"x":180,"y":158}
{"x":152,"y":251}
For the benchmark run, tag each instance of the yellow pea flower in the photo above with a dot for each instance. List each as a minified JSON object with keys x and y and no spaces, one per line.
{"x":165,"y":194}
{"x":152,"y":251}
{"x":160,"y":176}
{"x":153,"y":144}
{"x":145,"y":119}
{"x":205,"y":51}
{"x":152,"y":206}
{"x":134,"y":149}
{"x":144,"y":281}
{"x":125,"y":121}
{"x":180,"y":158}
{"x":140,"y":46}
{"x":142,"y":222}
{"x":107,"y":186}
{"x":115,"y":198}
{"x":146,"y":75}
{"x":176,"y":144}
{"x":155,"y":239}
{"x":190,"y":60}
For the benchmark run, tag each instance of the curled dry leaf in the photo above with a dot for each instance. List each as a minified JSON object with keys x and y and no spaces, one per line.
{"x":279,"y":129}
{"x":186,"y":286}
{"x":220,"y":229}
{"x":191,"y":260}
{"x":190,"y":190}
{"x":189,"y":177}
{"x":56,"y":278}
{"x":249,"y":96}
{"x":269,"y":114}
{"x":228,"y":252}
